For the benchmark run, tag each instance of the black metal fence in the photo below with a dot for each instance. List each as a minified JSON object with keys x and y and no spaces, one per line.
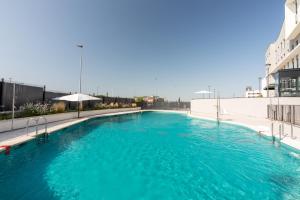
{"x":122,"y":100}
{"x":104,"y":100}
{"x":285,"y":113}
{"x":25,"y":93}
{"x":167,"y":106}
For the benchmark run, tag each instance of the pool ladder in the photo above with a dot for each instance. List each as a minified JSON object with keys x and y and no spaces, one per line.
{"x":36,"y":125}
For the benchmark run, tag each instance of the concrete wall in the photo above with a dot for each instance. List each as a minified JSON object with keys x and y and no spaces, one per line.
{"x":250,"y":107}
{"x":5,"y":125}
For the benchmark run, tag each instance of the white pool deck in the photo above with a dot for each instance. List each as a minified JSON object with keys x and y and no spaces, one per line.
{"x":15,"y":137}
{"x":262,"y":126}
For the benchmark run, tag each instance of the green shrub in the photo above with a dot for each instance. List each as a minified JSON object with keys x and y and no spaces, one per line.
{"x":125,"y":106}
{"x":4,"y":116}
{"x":99,"y":106}
{"x":30,"y":109}
{"x":59,"y":107}
{"x":133,"y":105}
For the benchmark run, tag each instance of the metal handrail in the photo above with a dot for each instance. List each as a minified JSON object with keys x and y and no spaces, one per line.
{"x":27,"y":125}
{"x":45,"y":123}
{"x":288,"y":118}
{"x":37,"y":124}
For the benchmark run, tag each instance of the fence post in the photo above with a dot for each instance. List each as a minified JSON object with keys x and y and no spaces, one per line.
{"x":290,"y":120}
{"x":281,"y":113}
{"x":44,"y":94}
{"x":13,"y":106}
{"x":294,"y":114}
{"x":1,"y":94}
{"x":279,"y":130}
{"x":272,"y":132}
{"x":290,"y":108}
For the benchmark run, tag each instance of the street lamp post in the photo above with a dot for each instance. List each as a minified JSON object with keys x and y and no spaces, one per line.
{"x":259,"y":85}
{"x":80,"y":77}
{"x":214,"y":93}
{"x":209,"y":91}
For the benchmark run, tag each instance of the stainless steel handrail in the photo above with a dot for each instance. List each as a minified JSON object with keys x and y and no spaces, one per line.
{"x":45,"y":123}
{"x":36,"y":125}
{"x":27,"y":125}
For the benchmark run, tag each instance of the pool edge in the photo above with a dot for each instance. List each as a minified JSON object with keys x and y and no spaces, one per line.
{"x":288,"y":143}
{"x":30,"y":136}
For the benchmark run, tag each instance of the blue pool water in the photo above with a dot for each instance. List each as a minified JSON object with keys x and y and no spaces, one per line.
{"x":150,"y":156}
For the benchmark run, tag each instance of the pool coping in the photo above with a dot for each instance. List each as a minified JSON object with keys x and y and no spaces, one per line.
{"x":167,"y":111}
{"x":7,"y":144}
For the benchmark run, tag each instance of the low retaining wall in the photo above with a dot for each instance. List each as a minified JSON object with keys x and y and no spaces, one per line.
{"x":250,"y":107}
{"x":5,"y":125}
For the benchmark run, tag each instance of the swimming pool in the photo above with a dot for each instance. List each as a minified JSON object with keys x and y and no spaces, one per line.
{"x":150,"y":156}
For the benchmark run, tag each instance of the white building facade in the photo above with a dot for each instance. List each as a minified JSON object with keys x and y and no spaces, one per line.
{"x":282,"y":56}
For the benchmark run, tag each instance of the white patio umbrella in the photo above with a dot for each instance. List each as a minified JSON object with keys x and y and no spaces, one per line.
{"x":76,"y":98}
{"x":203,"y":92}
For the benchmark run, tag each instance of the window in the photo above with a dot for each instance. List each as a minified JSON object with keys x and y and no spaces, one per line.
{"x":293,"y":63}
{"x":283,"y":84}
{"x":288,"y":84}
{"x":293,"y":84}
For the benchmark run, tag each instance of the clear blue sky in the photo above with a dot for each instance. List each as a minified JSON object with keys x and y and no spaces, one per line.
{"x":139,"y":47}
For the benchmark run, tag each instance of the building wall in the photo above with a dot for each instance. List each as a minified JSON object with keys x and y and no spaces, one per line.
{"x":270,"y":57}
{"x":281,"y":48}
{"x":284,"y":52}
{"x":253,"y":94}
{"x":290,"y":15}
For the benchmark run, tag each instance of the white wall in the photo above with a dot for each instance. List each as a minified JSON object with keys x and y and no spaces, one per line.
{"x":251,"y":107}
{"x":290,"y":16}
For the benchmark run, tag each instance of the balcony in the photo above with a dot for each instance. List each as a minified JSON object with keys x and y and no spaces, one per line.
{"x":289,"y":82}
{"x":294,"y":33}
{"x":288,"y":57}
